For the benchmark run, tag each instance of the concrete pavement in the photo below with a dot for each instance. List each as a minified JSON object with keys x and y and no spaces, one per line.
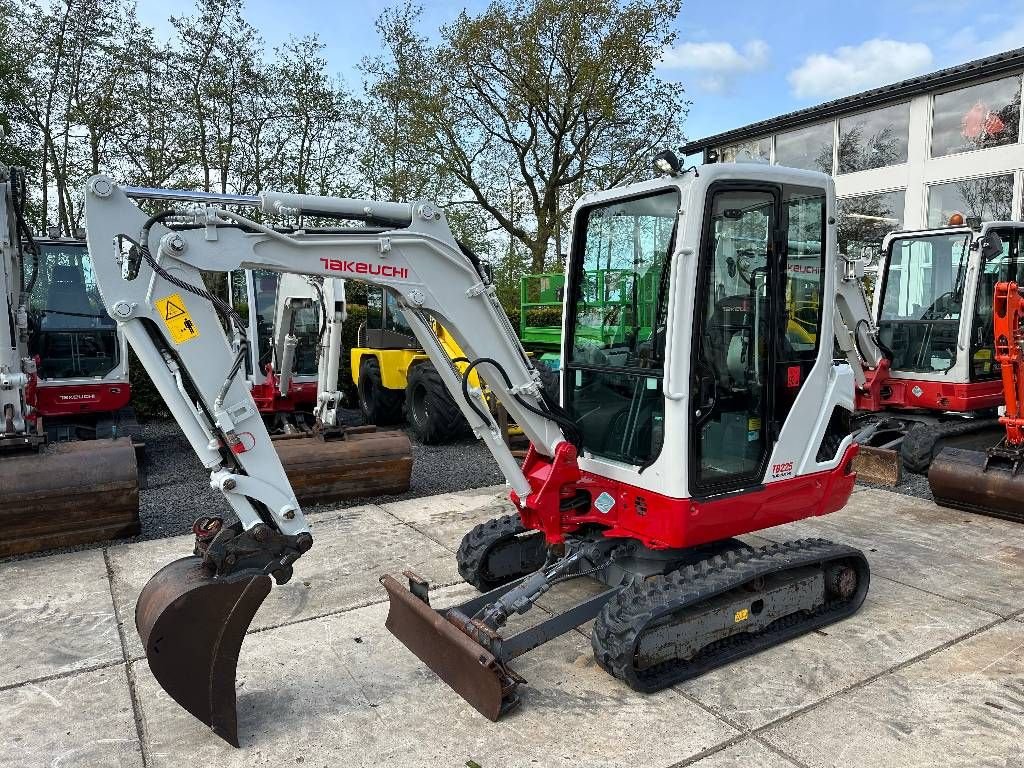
{"x":930,"y":672}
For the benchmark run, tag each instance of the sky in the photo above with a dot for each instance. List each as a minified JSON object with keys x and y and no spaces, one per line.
{"x":740,"y":61}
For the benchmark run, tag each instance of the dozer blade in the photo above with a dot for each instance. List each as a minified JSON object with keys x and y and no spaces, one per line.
{"x":882,"y":466}
{"x":959,"y":479}
{"x":467,"y":667}
{"x":192,"y":626}
{"x":68,"y":493}
{"x":361,"y":464}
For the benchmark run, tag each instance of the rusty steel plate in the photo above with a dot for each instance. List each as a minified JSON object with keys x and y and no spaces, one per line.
{"x":881,"y":466}
{"x":69,"y":493}
{"x":192,"y":626}
{"x":467,"y":667}
{"x":361,"y":464}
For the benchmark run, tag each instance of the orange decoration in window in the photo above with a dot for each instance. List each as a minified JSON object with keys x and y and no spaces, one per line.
{"x":980,"y":122}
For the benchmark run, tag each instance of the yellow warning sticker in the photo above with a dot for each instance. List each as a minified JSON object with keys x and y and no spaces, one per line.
{"x":177,"y":319}
{"x":741,"y":615}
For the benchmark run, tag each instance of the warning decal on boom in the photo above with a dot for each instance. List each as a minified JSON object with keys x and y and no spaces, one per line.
{"x":176,"y":318}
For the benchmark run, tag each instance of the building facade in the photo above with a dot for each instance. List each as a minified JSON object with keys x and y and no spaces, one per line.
{"x":904,"y":156}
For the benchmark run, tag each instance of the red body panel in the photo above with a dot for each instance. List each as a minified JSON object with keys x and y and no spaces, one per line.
{"x":882,"y":392}
{"x":71,"y":400}
{"x":661,"y":522}
{"x":301,"y":395}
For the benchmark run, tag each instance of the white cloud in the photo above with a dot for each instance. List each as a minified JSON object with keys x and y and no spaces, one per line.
{"x":853,"y":68}
{"x":969,"y":43}
{"x":717,"y":63}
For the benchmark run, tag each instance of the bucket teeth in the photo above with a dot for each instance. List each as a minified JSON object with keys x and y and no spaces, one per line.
{"x":192,"y":625}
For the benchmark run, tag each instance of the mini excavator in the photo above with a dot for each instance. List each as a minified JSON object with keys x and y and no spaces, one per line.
{"x":711,"y":420}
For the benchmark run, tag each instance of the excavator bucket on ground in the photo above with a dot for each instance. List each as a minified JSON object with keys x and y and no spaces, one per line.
{"x":192,"y":625}
{"x":364,"y":462}
{"x":69,"y":493}
{"x":976,"y":481}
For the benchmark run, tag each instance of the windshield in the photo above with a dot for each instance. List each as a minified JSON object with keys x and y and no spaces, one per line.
{"x":68,"y":326}
{"x":615,"y":358}
{"x":922,"y":300}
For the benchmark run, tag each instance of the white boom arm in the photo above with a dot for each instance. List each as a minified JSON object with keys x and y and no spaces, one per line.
{"x":328,"y":296}
{"x":17,"y":369}
{"x":180,"y":340}
{"x":855,"y":328}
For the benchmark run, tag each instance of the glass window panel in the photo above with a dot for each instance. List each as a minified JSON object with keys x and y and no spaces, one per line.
{"x":68,"y":324}
{"x":618,"y":326}
{"x":865,"y":220}
{"x":753,"y":151}
{"x":986,"y":199}
{"x":981,"y":116}
{"x":874,"y":139}
{"x":922,"y":299}
{"x":809,"y":148}
{"x":805,"y":212}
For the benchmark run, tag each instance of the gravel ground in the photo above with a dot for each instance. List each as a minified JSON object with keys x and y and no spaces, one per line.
{"x":175,"y":487}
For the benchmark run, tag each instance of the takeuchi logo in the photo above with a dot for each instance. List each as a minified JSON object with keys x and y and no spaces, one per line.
{"x":363,"y":268}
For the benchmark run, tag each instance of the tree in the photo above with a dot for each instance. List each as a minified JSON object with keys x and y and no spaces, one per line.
{"x":553,"y":97}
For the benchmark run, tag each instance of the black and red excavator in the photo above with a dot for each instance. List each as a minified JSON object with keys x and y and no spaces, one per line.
{"x":990,"y":481}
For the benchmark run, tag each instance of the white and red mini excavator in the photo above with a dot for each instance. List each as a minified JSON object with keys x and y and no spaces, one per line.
{"x":63,"y":376}
{"x":708,"y":418}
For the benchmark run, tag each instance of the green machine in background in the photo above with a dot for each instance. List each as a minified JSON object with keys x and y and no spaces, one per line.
{"x":611,"y":296}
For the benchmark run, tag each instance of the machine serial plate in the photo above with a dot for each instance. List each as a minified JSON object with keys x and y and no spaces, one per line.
{"x":177,"y":319}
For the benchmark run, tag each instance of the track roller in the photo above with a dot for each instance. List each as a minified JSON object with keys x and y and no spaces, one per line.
{"x":499,"y":551}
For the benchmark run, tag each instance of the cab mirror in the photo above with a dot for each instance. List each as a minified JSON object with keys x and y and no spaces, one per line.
{"x":991,"y":245}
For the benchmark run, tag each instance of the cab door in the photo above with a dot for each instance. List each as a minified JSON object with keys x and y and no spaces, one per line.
{"x":732,"y":375}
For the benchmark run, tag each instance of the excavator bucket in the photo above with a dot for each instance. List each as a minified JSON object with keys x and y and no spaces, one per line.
{"x":467,"y":667}
{"x":362,"y":463}
{"x":968,"y":480}
{"x":192,"y":625}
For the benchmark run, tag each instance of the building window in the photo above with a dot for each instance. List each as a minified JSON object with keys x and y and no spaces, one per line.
{"x":753,"y":151}
{"x":978,"y":117}
{"x":986,"y":199}
{"x":874,"y":139}
{"x":865,"y":220}
{"x":809,"y":148}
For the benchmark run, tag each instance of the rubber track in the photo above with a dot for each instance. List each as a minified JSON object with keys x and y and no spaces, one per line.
{"x":445,"y":421}
{"x":479,"y":543}
{"x":918,"y":448}
{"x":623,"y":619}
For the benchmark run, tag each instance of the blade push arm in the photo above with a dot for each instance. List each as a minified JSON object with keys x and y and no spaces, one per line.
{"x":180,"y":339}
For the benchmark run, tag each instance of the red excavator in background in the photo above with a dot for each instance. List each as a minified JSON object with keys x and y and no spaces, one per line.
{"x":63,"y":376}
{"x":988,"y":481}
{"x":293,"y":375}
{"x":923,"y":354}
